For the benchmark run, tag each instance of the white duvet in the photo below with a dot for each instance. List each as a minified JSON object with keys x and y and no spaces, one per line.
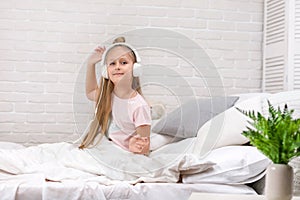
{"x":106,"y":164}
{"x":62,"y":171}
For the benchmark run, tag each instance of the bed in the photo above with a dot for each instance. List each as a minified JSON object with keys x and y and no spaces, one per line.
{"x":62,"y":171}
{"x":174,"y":170}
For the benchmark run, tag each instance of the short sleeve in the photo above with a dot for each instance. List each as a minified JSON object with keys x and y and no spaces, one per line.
{"x":142,"y":116}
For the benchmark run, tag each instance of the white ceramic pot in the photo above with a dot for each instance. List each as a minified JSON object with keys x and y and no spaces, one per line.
{"x":279,"y":182}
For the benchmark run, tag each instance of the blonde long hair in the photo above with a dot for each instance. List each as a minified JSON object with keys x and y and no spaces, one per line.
{"x":103,"y":108}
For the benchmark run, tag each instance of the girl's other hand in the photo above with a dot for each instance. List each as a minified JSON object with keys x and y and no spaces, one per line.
{"x":139,"y":145}
{"x":96,"y":56}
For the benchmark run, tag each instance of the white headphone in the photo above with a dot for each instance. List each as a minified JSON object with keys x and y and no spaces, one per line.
{"x":136,"y":66}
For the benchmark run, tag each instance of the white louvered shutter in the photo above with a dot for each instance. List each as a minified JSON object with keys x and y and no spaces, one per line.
{"x":296,"y":46}
{"x":281,"y":63}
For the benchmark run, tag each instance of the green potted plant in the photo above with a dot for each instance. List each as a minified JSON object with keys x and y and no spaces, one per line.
{"x":278,"y":137}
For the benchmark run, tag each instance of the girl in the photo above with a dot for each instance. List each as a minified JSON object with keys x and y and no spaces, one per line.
{"x":121,"y":113}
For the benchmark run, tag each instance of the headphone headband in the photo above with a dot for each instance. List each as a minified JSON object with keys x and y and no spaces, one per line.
{"x":138,"y":59}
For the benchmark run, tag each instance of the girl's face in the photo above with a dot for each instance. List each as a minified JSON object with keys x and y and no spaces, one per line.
{"x":119,"y":63}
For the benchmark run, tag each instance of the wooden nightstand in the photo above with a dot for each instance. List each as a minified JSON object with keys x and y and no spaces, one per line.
{"x":212,"y":196}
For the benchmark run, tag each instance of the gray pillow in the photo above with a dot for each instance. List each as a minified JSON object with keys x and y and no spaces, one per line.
{"x":184,"y":121}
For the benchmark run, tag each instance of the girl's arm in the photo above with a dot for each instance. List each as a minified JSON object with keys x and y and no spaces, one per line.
{"x":140,"y":143}
{"x":144,"y":130}
{"x":91,"y":85}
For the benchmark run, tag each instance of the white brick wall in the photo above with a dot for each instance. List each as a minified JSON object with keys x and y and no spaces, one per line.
{"x":43,"y":44}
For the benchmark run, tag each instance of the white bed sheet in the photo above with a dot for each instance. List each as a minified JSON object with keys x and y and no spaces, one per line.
{"x":71,"y":190}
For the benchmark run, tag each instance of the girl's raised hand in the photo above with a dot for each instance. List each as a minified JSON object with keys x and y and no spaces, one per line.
{"x":96,"y":56}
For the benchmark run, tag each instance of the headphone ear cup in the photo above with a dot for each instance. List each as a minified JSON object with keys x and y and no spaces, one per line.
{"x":104,"y":72}
{"x":137,"y":70}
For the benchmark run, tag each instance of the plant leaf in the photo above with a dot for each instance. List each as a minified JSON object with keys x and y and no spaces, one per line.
{"x":277,"y":135}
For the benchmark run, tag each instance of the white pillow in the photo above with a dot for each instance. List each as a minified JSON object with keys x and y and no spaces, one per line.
{"x":159,"y":140}
{"x":246,"y":96}
{"x":291,"y":98}
{"x":233,"y":165}
{"x":226,"y":128}
{"x":185,"y":121}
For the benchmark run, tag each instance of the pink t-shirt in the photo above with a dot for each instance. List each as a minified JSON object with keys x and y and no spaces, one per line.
{"x":127,"y":115}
